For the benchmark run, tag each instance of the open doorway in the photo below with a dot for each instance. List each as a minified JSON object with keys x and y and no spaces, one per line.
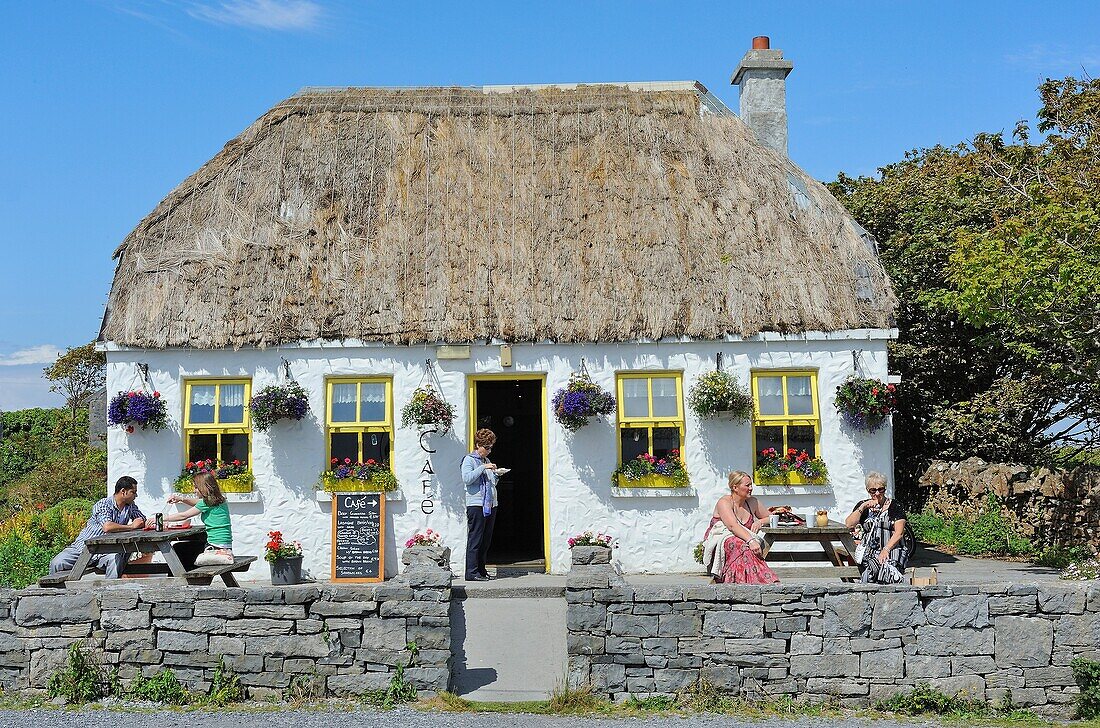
{"x":512,"y":408}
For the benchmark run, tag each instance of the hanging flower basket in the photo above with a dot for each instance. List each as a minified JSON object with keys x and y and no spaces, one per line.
{"x":348,"y":476}
{"x":278,"y":402}
{"x":427,"y":407}
{"x":234,"y":477}
{"x":127,"y":409}
{"x":646,"y":471}
{"x":866,"y":403}
{"x":719,"y":394}
{"x":580,"y":399}
{"x":796,"y":467}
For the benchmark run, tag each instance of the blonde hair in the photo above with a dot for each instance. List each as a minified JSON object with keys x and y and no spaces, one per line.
{"x":484,"y":438}
{"x":736,"y":477}
{"x":874,"y":477}
{"x":207,"y":486}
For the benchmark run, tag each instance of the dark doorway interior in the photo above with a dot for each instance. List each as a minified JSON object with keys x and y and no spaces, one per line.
{"x":513,"y":410}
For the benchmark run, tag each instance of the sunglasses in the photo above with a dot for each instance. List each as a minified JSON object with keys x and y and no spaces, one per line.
{"x":876,"y":490}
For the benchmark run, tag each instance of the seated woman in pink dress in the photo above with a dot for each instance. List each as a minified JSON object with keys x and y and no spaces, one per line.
{"x":731,"y":546}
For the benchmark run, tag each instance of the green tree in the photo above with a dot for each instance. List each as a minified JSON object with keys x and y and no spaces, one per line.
{"x":992,"y":249}
{"x":77,"y":374}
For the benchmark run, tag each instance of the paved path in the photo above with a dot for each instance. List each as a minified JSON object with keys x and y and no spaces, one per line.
{"x":403,"y":717}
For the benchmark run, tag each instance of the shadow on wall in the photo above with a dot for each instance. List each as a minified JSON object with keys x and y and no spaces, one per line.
{"x":286,"y":440}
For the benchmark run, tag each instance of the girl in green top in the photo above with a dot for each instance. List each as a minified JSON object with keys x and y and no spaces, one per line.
{"x":209,"y":503}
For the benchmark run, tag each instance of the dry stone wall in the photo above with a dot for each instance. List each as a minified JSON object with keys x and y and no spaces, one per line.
{"x":346,"y":638}
{"x":852,"y":643}
{"x":1053,"y":507}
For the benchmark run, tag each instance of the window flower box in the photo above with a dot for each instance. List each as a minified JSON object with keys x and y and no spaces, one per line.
{"x":647,"y":471}
{"x":349,"y":477}
{"x":234,"y":477}
{"x":794,"y":468}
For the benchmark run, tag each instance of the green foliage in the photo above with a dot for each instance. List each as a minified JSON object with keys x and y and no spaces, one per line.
{"x":82,"y":679}
{"x":1059,"y":557}
{"x":1087,"y":675}
{"x":29,"y":439}
{"x":994,"y":251}
{"x":988,"y":534}
{"x":225,"y":688}
{"x":717,"y":393}
{"x":21,"y":563}
{"x":923,"y":700}
{"x":163,"y":687}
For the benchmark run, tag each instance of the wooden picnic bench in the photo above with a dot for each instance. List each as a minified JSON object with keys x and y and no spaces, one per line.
{"x":826,"y":536}
{"x":151,"y":542}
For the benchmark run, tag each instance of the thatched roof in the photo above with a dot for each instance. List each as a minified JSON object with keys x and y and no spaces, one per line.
{"x":593,"y":213}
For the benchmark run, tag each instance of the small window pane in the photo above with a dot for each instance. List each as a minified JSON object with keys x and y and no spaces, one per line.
{"x":344,"y":445}
{"x":202,"y":405}
{"x":373,"y":405}
{"x":664,"y":397}
{"x":235,"y":447}
{"x":770,"y":395}
{"x":800,"y":397}
{"x":771,"y":436}
{"x":665,"y":440}
{"x":801,"y":437}
{"x":376,"y":446}
{"x":231,"y":409}
{"x":202,"y":447}
{"x":343,"y":402}
{"x":635,"y":398}
{"x":635,"y":441}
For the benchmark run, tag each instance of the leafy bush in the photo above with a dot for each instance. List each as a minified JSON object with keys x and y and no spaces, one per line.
{"x":989,"y":533}
{"x":30,"y":437}
{"x":164,"y":687}
{"x":82,"y":680}
{"x":31,"y":537}
{"x":1087,"y":675}
{"x":225,"y":688}
{"x":923,"y":700}
{"x":60,"y":477}
{"x":1059,"y":557}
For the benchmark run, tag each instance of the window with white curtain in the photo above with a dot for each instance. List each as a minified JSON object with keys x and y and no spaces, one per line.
{"x":359,"y":422}
{"x":786,"y":413}
{"x":216,"y":424}
{"x":651,"y":414}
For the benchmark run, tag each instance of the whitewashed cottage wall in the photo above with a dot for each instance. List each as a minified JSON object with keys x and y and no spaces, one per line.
{"x":656,"y":534}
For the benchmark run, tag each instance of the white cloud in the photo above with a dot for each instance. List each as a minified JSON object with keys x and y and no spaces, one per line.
{"x":24,"y":386}
{"x":41,"y":354}
{"x":266,"y":14}
{"x":1054,"y":59}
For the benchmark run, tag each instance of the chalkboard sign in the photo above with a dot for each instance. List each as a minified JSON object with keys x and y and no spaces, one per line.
{"x":358,"y":536}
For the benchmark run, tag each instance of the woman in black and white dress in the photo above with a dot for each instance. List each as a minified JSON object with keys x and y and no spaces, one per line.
{"x":885,"y":549}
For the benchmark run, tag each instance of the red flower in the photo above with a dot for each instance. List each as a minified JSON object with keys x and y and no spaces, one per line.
{"x":130,"y":428}
{"x":335,"y":460}
{"x":236,"y":462}
{"x":371,"y":462}
{"x":890,"y":387}
{"x":40,"y":506}
{"x":131,"y":394}
{"x":874,"y":390}
{"x":347,"y":461}
{"x":190,"y":465}
{"x":156,"y":394}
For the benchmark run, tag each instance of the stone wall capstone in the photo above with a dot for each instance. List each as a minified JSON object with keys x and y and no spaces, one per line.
{"x":851,"y":643}
{"x":346,"y":638}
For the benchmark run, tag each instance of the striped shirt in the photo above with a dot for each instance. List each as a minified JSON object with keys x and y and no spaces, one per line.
{"x":105,"y":511}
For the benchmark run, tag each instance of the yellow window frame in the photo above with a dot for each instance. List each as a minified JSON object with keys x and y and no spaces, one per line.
{"x":216,"y":428}
{"x":650,"y":423}
{"x":358,"y":426}
{"x":785,"y":420}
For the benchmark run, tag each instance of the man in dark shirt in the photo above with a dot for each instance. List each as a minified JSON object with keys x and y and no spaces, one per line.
{"x":111,"y":515}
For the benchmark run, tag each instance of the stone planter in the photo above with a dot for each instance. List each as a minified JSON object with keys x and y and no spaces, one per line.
{"x":587,"y":555}
{"x":285,"y":572}
{"x":427,"y":556}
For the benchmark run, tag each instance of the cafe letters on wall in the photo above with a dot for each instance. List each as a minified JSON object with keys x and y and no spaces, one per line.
{"x":427,"y":505}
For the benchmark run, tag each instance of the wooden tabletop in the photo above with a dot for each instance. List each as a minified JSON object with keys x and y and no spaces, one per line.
{"x":135,"y":537}
{"x":834,"y":527}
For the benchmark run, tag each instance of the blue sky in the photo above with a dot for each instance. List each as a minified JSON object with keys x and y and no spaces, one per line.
{"x":109,"y":104}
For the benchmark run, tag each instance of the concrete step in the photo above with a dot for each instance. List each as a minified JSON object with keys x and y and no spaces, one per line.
{"x":507,"y":649}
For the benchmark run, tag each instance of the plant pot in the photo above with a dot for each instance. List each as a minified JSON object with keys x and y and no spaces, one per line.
{"x":285,"y":572}
{"x":586,"y":555}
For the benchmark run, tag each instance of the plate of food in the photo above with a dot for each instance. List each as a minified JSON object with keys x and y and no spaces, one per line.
{"x":503,"y":471}
{"x":787,"y":517}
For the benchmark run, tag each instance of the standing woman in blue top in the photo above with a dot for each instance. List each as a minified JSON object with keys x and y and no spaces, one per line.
{"x":480,"y":478}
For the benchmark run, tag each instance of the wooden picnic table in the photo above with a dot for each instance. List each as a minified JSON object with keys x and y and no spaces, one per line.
{"x":151,"y":542}
{"x":826,"y":536}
